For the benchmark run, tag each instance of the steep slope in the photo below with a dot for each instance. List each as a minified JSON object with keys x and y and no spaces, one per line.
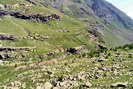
{"x":25,"y":19}
{"x":30,"y":30}
{"x":118,"y":27}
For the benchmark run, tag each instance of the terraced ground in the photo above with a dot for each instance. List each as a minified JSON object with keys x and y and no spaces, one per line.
{"x":66,"y":33}
{"x":27,"y":42}
{"x":42,"y":52}
{"x":96,"y":70}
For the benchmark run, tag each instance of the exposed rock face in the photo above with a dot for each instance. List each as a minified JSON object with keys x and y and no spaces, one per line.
{"x":31,"y":17}
{"x":8,"y":37}
{"x":36,"y":17}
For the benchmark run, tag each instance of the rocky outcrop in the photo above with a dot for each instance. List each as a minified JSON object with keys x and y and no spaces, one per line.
{"x":8,"y":37}
{"x":3,"y":13}
{"x":96,"y":36}
{"x":77,"y":50}
{"x":7,"y":56}
{"x":31,"y":1}
{"x":72,"y":51}
{"x":36,"y":17}
{"x":16,"y":48}
{"x":101,"y":47}
{"x":32,"y":17}
{"x":108,"y":12}
{"x":96,"y":25}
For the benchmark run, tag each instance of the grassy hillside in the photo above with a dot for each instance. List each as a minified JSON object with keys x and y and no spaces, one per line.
{"x":116,"y":23}
{"x":43,"y":48}
{"x":65,"y":33}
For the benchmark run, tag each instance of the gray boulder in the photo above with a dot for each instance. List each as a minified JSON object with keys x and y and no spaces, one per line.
{"x":2,"y":7}
{"x":120,"y":84}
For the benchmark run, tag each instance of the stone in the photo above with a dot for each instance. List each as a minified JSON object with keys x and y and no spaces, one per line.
{"x":24,"y":85}
{"x":1,"y":62}
{"x":38,"y":87}
{"x":115,"y":72}
{"x":2,"y":7}
{"x":87,"y":85}
{"x":101,"y":59}
{"x":47,"y":85}
{"x":55,"y":88}
{"x":15,"y":88}
{"x":72,"y":50}
{"x":120,"y":84}
{"x":81,"y":77}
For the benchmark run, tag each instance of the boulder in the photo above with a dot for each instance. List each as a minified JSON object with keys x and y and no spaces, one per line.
{"x":87,"y":85}
{"x":101,"y":59}
{"x":120,"y":84}
{"x":47,"y":85}
{"x":1,"y":62}
{"x":56,"y":88}
{"x":2,"y":7}
{"x":38,"y":87}
{"x":72,"y":50}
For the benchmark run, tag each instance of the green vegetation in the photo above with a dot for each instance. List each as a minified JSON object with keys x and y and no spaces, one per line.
{"x":62,"y":53}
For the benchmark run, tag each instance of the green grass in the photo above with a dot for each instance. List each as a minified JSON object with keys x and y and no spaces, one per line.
{"x":66,"y":33}
{"x":73,"y":38}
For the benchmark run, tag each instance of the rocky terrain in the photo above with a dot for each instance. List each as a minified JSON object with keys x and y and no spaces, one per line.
{"x":65,"y":44}
{"x":103,"y":69}
{"x":36,"y":17}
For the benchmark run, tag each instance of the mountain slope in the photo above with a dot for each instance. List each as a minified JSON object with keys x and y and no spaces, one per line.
{"x":54,"y":34}
{"x":118,"y":27}
{"x":46,"y":48}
